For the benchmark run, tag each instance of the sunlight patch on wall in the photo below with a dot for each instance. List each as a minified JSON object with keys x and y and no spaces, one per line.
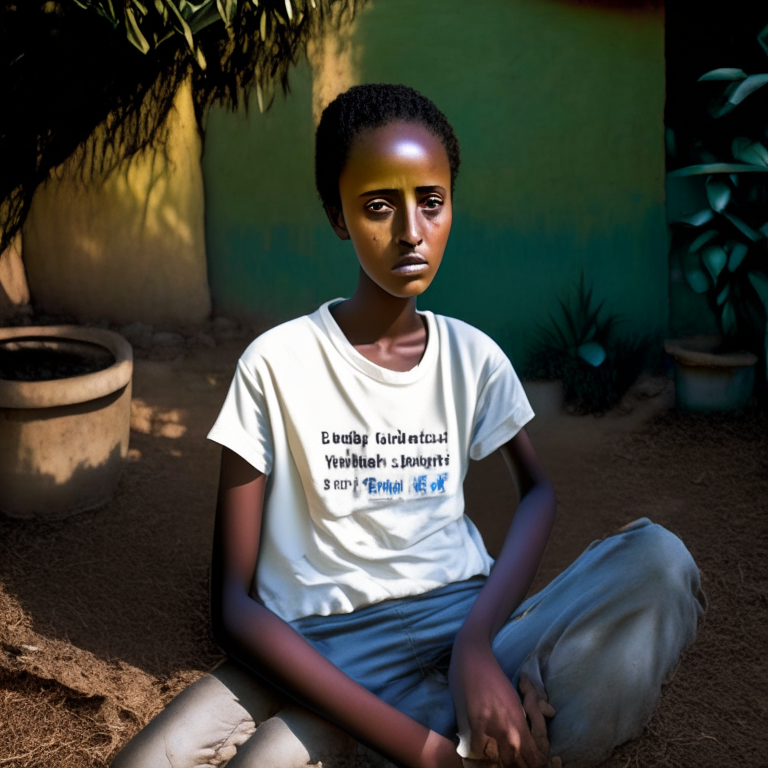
{"x":335,"y":60}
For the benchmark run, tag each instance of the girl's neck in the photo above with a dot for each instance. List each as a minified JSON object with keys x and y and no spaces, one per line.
{"x":383,"y":328}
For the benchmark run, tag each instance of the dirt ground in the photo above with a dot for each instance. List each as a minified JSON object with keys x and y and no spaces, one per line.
{"x":103,"y":617}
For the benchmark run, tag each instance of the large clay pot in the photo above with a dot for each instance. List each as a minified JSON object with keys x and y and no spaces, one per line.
{"x":710,"y":381}
{"x":63,"y":441}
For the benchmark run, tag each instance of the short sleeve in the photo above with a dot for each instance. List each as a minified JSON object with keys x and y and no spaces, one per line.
{"x":502,"y":410}
{"x":243,"y":424}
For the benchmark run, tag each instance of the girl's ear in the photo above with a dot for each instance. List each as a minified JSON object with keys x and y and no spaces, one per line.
{"x":336,"y":217}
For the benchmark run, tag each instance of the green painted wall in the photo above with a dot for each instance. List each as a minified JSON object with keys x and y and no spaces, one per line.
{"x":559,"y":110}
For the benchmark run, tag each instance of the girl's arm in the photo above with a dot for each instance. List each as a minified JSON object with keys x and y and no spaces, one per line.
{"x":488,"y":708}
{"x":257,"y":637}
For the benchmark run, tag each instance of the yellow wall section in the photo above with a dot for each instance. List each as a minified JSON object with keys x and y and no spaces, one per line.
{"x":130,"y":248}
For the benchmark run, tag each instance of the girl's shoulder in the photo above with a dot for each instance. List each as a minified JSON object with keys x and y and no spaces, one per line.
{"x":468,"y":342}
{"x":284,"y":339}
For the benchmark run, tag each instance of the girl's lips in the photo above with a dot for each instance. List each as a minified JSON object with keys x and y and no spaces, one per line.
{"x":411,"y":263}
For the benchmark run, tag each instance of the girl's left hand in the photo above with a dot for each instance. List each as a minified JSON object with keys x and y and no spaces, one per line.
{"x":491,"y":718}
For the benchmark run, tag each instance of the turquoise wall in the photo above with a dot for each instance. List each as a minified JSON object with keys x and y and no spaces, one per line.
{"x":559,"y":110}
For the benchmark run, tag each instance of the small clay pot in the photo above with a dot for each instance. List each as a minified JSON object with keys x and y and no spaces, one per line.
{"x":706,"y":380}
{"x":63,"y":441}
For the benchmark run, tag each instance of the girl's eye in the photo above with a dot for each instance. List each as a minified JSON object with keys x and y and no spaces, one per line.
{"x":433,"y":202}
{"x":377,"y":206}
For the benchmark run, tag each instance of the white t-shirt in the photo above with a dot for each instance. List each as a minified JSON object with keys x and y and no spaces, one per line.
{"x":365,"y":465}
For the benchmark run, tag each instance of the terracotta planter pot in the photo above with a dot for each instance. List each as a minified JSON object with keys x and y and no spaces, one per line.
{"x":708,"y":381}
{"x":63,"y":441}
{"x":545,"y":397}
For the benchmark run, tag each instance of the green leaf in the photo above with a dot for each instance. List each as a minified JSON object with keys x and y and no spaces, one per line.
{"x":570,"y":322}
{"x":734,"y":177}
{"x":718,"y":193}
{"x":200,"y":58}
{"x":702,"y":239}
{"x":697,"y":219}
{"x":748,"y":151}
{"x":142,"y":9}
{"x":133,"y":32}
{"x":723,"y":295}
{"x":187,"y":32}
{"x":289,"y":10}
{"x":749,"y":86}
{"x":693,"y":272}
{"x":227,"y":10}
{"x":762,"y":38}
{"x":743,"y":227}
{"x":728,"y":319}
{"x":669,"y":140}
{"x":760,"y":284}
{"x":714,"y":258}
{"x":705,"y":168}
{"x":260,"y":95}
{"x":263,"y":35}
{"x":724,"y":73}
{"x":737,"y":256}
{"x":592,"y":352}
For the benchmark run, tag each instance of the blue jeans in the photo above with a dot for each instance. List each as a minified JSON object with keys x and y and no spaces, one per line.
{"x":600,"y":639}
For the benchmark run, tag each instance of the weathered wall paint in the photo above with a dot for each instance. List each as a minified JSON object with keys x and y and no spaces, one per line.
{"x":130,"y":248}
{"x":559,"y":111}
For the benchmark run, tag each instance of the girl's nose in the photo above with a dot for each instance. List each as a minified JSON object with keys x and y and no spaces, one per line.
{"x":410,"y":231}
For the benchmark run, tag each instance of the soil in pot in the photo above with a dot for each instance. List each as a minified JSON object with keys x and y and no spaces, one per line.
{"x":33,"y":358}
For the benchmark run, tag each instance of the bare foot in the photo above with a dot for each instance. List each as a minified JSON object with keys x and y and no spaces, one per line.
{"x":537,"y":707}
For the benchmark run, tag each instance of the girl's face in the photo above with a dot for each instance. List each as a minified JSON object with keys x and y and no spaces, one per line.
{"x":396,"y":206}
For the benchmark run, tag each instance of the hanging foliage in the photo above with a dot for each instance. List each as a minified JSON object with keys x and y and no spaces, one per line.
{"x":95,"y":79}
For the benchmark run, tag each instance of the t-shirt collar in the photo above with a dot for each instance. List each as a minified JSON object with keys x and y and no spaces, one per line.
{"x":384,"y":375}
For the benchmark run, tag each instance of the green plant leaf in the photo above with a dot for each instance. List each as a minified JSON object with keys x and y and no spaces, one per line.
{"x":749,"y":86}
{"x":728,"y":319}
{"x":694,"y":274}
{"x":706,"y":168}
{"x":133,"y":32}
{"x":592,"y":352}
{"x":724,"y":73}
{"x":748,"y":151}
{"x":734,"y":177}
{"x":697,"y":219}
{"x":737,"y":256}
{"x":570,"y":322}
{"x":702,"y":239}
{"x":723,"y":295}
{"x":669,"y":141}
{"x":762,"y":38}
{"x":743,"y":227}
{"x":760,"y":284}
{"x":718,"y":193}
{"x":186,"y":31}
{"x":714,"y":258}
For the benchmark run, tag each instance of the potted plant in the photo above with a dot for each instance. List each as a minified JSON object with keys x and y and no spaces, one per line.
{"x":718,"y":201}
{"x":578,"y":360}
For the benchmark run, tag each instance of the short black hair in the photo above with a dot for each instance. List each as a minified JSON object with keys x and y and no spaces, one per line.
{"x":372,"y":106}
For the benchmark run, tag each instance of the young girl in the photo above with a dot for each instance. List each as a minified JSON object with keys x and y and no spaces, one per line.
{"x":348,"y":586}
